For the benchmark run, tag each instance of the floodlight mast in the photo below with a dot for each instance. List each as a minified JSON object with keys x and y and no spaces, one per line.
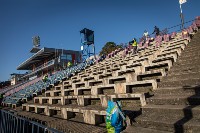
{"x":87,"y":44}
{"x":36,"y":41}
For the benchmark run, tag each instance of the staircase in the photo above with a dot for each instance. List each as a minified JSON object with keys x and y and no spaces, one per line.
{"x":175,"y":106}
{"x":185,"y":72}
{"x":152,"y":101}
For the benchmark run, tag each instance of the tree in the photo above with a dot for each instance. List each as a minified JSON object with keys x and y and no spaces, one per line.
{"x":108,"y":48}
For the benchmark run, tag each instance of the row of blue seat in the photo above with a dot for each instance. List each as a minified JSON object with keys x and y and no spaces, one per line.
{"x":27,"y":92}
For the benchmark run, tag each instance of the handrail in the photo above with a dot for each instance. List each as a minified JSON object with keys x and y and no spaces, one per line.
{"x":151,"y":35}
{"x":10,"y":122}
{"x":47,"y":64}
{"x":51,"y":62}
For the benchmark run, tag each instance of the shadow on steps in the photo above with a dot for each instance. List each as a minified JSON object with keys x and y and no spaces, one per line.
{"x":188,"y":114}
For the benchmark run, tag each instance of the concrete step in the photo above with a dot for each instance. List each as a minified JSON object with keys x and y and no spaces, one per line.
{"x":188,"y":59}
{"x":177,"y":71}
{"x":195,"y":37}
{"x":193,"y":46}
{"x":172,"y":58}
{"x":174,"y":100}
{"x":61,"y":124}
{"x":195,"y":40}
{"x":192,"y":49}
{"x":173,"y":110}
{"x":175,"y":83}
{"x":171,"y":124}
{"x":181,"y":64}
{"x":159,"y":65}
{"x":182,"y":76}
{"x":187,"y":53}
{"x":134,"y":129}
{"x":154,"y":74}
{"x":178,"y":91}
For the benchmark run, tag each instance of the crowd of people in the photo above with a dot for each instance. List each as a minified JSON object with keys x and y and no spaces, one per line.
{"x":134,"y":43}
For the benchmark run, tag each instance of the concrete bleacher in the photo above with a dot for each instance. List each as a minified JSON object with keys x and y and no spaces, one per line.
{"x":88,"y":96}
{"x":174,"y":106}
{"x":28,"y":90}
{"x":132,"y":79}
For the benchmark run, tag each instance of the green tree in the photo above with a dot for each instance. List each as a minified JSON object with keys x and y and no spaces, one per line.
{"x":108,"y":48}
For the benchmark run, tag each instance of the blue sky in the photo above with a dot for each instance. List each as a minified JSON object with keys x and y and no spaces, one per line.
{"x":58,"y":23}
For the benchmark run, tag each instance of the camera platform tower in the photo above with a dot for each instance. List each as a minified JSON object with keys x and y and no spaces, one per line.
{"x":87,"y":43}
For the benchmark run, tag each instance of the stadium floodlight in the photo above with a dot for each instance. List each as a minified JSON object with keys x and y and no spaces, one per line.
{"x":36,"y":41}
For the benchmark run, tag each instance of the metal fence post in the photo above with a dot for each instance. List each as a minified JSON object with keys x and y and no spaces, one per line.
{"x":23,"y":128}
{"x":6,"y":122}
{"x":20,"y":125}
{"x":38,"y":129}
{"x":17,"y":125}
{"x":1,"y":128}
{"x":13,"y":124}
{"x":3,"y":122}
{"x":32,"y":128}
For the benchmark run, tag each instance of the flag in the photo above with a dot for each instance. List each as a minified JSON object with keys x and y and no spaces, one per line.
{"x":182,"y":1}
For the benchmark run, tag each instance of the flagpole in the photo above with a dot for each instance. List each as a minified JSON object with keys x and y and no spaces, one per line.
{"x":181,"y":8}
{"x":182,"y":18}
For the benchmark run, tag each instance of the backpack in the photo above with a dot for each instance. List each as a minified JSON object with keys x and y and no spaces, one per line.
{"x":114,"y":117}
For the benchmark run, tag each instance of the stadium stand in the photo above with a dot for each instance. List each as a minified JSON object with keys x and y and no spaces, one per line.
{"x":158,"y":88}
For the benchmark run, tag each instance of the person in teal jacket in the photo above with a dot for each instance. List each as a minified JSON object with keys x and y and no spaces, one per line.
{"x":114,"y":117}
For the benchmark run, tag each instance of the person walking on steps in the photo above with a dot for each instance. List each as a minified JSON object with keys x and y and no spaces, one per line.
{"x":115,"y":118}
{"x":156,"y":30}
{"x":134,"y":45}
{"x":145,"y":34}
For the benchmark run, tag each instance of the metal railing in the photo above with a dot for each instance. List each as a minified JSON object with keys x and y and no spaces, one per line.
{"x":10,"y":123}
{"x":169,"y":30}
{"x":39,"y":68}
{"x":51,"y":62}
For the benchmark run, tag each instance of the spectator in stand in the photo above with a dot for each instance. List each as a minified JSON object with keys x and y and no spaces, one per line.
{"x":134,"y":45}
{"x":144,"y":38}
{"x":185,"y":34}
{"x":45,"y":78}
{"x":129,"y":45}
{"x":156,"y":30}
{"x":146,"y":34}
{"x":103,"y":56}
{"x":69,"y":64}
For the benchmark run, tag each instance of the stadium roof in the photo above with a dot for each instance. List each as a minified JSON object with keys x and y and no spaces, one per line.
{"x":41,"y":55}
{"x":34,"y":50}
{"x":16,"y":74}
